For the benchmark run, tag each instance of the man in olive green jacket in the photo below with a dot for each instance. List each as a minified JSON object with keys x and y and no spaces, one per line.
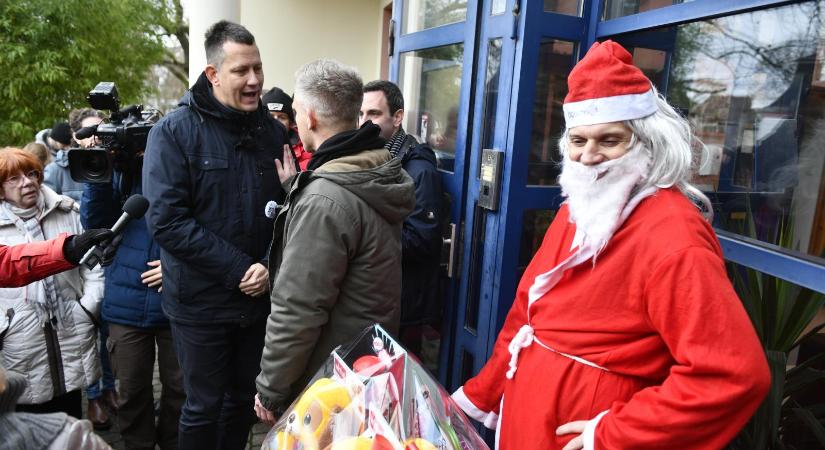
{"x":335,"y":259}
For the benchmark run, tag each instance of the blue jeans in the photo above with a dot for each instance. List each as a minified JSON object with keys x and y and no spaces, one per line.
{"x":219,"y":364}
{"x":107,"y":380}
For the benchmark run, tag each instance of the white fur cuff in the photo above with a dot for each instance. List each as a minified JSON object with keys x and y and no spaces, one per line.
{"x":589,"y":434}
{"x":489,"y":419}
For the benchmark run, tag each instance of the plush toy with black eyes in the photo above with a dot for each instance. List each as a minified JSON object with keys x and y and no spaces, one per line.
{"x":310,"y":422}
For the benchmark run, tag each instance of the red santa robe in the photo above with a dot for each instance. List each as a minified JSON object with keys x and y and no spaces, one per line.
{"x":653,"y":334}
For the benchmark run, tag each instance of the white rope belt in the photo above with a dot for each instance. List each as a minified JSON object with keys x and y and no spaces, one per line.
{"x":524,"y":338}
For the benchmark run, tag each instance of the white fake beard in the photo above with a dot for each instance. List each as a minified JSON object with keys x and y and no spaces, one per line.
{"x":597,"y":195}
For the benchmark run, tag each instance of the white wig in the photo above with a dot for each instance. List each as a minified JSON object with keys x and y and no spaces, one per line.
{"x":668,"y":138}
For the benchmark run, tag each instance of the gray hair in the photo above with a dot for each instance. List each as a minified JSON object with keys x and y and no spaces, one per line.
{"x":669,"y":140}
{"x":334,"y":91}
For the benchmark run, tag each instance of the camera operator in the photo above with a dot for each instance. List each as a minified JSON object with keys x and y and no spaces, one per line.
{"x":132,"y":311}
{"x":57,"y":175}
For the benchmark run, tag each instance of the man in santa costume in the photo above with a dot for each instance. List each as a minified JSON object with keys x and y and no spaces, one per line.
{"x":625,"y":332}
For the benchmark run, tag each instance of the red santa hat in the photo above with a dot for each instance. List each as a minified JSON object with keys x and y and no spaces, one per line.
{"x":606,"y":87}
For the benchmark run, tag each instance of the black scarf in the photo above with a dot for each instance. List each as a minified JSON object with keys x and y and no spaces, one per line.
{"x":347,"y":143}
{"x":395,"y":142}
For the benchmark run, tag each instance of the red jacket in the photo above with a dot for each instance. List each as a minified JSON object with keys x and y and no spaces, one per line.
{"x":301,"y":155}
{"x":684,"y":366}
{"x":26,"y":263}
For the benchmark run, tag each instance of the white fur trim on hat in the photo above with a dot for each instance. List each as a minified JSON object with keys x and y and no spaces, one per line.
{"x":609,"y":109}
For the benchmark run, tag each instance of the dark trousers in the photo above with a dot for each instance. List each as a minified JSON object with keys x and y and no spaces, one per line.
{"x":69,"y":403}
{"x":132,"y":352}
{"x":220,"y":363}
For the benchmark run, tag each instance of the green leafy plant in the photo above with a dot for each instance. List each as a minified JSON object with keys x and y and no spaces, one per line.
{"x":781,"y":311}
{"x":52,"y":52}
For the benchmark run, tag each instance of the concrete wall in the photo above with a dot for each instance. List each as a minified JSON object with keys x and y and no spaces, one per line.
{"x":291,"y":33}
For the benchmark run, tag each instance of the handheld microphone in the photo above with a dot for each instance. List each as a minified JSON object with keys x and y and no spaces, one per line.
{"x":134,"y":208}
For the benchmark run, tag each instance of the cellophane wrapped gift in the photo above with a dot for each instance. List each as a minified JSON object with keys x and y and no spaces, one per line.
{"x":372,"y":395}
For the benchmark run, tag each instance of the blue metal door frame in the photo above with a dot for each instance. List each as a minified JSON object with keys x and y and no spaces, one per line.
{"x":460,"y":181}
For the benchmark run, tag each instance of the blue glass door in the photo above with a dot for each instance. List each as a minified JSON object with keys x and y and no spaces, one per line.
{"x":487,"y":75}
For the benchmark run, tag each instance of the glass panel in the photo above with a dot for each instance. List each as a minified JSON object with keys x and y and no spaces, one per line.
{"x":475,"y":276}
{"x":753,"y":86}
{"x":555,"y":62}
{"x":569,"y":7}
{"x":498,"y":7}
{"x":621,"y":8}
{"x":467,"y":363}
{"x":491,"y":93}
{"x":534,"y":224}
{"x":423,"y":14}
{"x":431,"y":83}
{"x":652,"y":63}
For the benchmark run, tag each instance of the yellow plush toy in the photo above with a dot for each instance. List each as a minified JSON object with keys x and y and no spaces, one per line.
{"x":309,"y":422}
{"x":418,"y":444}
{"x":362,"y":443}
{"x":353,"y":443}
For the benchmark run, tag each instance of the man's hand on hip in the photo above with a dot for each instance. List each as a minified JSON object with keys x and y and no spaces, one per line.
{"x":255,"y":281}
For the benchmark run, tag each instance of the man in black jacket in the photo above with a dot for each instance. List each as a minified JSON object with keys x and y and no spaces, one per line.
{"x":383,"y":104}
{"x":208,"y":173}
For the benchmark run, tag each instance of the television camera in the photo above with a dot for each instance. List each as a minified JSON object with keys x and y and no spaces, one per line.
{"x":122,"y":137}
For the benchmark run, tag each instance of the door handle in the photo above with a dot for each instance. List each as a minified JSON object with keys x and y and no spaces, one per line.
{"x":452,"y":245}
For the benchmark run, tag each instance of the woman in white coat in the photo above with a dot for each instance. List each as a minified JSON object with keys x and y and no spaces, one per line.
{"x":47,"y":328}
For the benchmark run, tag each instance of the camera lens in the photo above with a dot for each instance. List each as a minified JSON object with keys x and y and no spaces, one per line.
{"x":90,"y":166}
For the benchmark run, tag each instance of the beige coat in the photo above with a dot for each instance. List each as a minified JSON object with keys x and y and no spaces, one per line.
{"x":25,"y":344}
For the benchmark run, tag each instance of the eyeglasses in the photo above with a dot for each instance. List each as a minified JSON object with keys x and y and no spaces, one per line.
{"x":17,"y":180}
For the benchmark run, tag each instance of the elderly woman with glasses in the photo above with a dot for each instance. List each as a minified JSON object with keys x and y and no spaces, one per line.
{"x":47,"y":328}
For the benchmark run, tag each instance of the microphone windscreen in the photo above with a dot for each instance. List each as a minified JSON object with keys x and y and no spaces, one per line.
{"x":86,"y":132}
{"x":136,"y":206}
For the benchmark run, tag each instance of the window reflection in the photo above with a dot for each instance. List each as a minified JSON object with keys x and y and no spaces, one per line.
{"x":423,"y":14}
{"x":652,"y":63}
{"x":568,"y":7}
{"x":534,"y":226}
{"x":555,"y":62}
{"x":497,"y":6}
{"x":491,"y":93}
{"x":621,"y":8}
{"x":431,"y":83}
{"x":753,"y":87}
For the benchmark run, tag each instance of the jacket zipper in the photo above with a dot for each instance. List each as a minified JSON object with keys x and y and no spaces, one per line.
{"x":55,"y":358}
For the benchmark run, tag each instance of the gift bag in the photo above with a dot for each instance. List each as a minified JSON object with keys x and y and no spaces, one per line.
{"x":372,"y":395}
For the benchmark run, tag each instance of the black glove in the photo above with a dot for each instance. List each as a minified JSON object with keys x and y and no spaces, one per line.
{"x":109,"y":251}
{"x":76,"y":246}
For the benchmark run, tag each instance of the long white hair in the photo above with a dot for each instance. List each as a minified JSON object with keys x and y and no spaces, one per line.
{"x":668,"y":139}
